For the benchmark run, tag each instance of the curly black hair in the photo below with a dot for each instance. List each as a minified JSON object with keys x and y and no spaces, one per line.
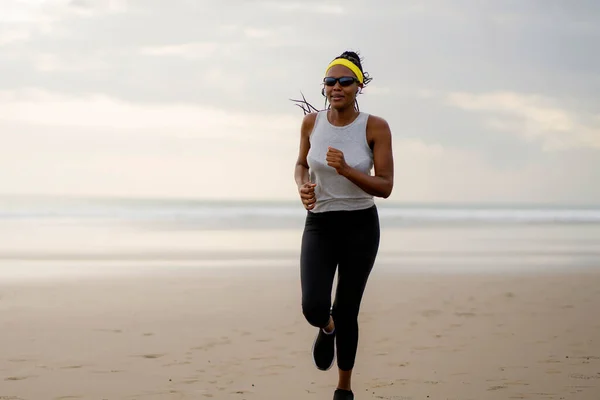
{"x":354,"y":58}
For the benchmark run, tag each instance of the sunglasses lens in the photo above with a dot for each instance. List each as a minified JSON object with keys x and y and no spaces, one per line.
{"x":346,"y":81}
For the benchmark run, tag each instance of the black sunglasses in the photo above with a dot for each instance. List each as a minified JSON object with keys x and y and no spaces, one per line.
{"x":344,"y":81}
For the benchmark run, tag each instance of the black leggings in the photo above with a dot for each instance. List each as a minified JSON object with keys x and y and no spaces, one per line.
{"x":348,"y":240}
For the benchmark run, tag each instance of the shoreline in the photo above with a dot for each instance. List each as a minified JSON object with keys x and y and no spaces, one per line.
{"x":22,"y":272}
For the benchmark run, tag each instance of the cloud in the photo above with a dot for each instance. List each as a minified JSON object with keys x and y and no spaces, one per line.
{"x":95,"y":144}
{"x":377,"y":90}
{"x":44,"y":11}
{"x":22,"y":20}
{"x":257,"y":33}
{"x":430,"y":172}
{"x":98,"y":111}
{"x":534,"y":117}
{"x":306,"y":7}
{"x":49,"y":62}
{"x":13,"y":36}
{"x":184,"y":50}
{"x":98,"y":145}
{"x":197,"y":94}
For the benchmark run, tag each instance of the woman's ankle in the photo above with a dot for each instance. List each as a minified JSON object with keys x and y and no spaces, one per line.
{"x":345,"y":380}
{"x":330,"y":327}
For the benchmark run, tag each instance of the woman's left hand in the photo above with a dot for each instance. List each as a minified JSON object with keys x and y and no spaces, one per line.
{"x":335,"y":159}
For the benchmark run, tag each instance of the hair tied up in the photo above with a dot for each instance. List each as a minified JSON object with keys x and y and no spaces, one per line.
{"x":354,"y":58}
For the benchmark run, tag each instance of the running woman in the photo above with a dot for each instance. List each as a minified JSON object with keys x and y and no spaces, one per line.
{"x":339,"y":147}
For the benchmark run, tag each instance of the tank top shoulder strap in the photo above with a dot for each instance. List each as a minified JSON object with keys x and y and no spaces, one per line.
{"x":318,"y":122}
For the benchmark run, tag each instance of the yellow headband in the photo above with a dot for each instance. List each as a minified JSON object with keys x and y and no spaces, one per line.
{"x":349,"y":64}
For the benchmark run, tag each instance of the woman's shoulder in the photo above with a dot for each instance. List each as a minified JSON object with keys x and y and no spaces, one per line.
{"x":310,"y":118}
{"x":378,"y":128}
{"x":308,"y":123}
{"x":376,"y":122}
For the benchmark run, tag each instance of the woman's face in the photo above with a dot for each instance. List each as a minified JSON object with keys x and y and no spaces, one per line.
{"x":342,"y":89}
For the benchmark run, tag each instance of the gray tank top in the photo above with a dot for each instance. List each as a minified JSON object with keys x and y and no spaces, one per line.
{"x":335,"y":192}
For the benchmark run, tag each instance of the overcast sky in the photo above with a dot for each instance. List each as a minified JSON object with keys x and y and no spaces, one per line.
{"x":185,"y":98}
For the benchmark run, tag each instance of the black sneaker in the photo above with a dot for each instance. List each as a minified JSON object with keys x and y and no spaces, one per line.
{"x":341,"y":394}
{"x":323,"y":350}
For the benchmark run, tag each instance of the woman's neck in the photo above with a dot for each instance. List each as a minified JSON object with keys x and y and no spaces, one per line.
{"x":342,"y":117}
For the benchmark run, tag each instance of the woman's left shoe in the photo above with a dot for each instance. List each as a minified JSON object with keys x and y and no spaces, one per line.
{"x":323,"y":350}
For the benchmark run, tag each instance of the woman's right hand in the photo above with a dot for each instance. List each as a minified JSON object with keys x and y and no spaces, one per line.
{"x":307,"y":195}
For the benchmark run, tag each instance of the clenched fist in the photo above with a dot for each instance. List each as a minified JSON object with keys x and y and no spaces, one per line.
{"x":335,"y":159}
{"x":307,"y":195}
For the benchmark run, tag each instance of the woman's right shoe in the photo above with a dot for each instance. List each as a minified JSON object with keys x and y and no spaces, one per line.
{"x":323,"y":350}
{"x":341,"y":394}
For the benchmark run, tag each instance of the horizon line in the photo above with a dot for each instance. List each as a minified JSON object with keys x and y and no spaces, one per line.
{"x":378,"y":201}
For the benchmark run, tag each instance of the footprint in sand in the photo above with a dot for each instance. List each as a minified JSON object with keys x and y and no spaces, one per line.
{"x":189,"y":381}
{"x":588,"y":357}
{"x":176,"y":363}
{"x":150,"y":356}
{"x":425,"y":347}
{"x":17,"y":378}
{"x":261,"y":358}
{"x":241,"y":392}
{"x":431,"y":313}
{"x":583,"y":376}
{"x":111,"y":371}
{"x":72,"y":367}
{"x":378,"y":385}
{"x":109,"y":330}
{"x":275,"y":368}
{"x":516,"y":383}
{"x":402,"y":364}
{"x":465,"y":314}
{"x":550,"y":361}
{"x":215,"y":342}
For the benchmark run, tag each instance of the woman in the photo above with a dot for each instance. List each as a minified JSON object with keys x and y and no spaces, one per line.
{"x":338,"y":148}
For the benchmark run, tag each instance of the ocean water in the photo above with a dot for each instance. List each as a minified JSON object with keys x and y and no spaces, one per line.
{"x":44,"y":236}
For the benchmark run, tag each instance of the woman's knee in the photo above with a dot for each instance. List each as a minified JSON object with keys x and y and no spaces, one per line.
{"x":344,"y":315}
{"x":316,"y":313}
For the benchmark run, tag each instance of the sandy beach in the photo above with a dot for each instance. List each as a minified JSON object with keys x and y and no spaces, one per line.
{"x":239,"y":334}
